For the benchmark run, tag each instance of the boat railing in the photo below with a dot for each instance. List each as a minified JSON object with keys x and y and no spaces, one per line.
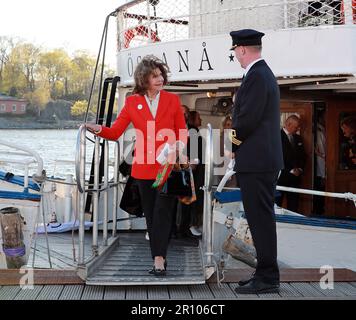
{"x":98,"y":189}
{"x":23,"y":156}
{"x":148,"y":21}
{"x":339,"y":195}
{"x":346,"y":195}
{"x":208,"y":197}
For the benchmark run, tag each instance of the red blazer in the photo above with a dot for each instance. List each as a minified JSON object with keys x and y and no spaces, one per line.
{"x":151,"y":133}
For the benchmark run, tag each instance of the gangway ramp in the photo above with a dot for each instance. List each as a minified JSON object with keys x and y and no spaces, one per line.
{"x":129,"y":260}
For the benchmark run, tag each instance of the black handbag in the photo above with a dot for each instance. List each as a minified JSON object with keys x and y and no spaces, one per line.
{"x":125,"y":168}
{"x":179,"y":183}
{"x":131,"y":200}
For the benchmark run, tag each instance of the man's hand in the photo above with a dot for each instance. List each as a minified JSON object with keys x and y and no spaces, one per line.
{"x":183,"y":160}
{"x":296,"y":172}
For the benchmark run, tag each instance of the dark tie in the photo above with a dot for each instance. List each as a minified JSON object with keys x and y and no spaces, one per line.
{"x":291,"y":140}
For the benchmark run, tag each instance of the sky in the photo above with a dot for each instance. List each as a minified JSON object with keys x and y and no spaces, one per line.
{"x":69,"y":24}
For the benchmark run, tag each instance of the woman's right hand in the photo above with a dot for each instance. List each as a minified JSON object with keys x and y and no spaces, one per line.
{"x":93,"y":128}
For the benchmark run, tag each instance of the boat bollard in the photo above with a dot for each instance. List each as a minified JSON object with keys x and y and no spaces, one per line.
{"x":13,"y":245}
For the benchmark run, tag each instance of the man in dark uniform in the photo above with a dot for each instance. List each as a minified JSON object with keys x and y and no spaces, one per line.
{"x":258,"y":155}
{"x":294,"y":161}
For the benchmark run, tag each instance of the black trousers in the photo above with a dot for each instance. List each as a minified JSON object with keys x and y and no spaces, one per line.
{"x":319,"y":201}
{"x":159,"y":211}
{"x":289,"y":180}
{"x":192,"y":214}
{"x":258,"y":191}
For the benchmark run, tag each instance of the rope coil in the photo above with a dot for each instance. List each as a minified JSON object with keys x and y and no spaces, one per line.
{"x":15,"y":252}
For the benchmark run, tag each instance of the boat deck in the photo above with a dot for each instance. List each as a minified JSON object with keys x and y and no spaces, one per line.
{"x":209,"y":291}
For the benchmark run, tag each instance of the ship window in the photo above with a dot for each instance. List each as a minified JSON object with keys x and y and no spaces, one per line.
{"x":347,"y":140}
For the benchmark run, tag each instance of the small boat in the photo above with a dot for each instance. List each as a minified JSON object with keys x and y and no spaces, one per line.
{"x":21,"y":196}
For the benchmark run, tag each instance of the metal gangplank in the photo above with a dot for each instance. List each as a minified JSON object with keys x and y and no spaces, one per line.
{"x":124,"y":258}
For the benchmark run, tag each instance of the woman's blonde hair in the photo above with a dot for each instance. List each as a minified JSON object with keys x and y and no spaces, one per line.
{"x":144,"y":69}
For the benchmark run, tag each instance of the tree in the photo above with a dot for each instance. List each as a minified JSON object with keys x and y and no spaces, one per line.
{"x":30,"y":55}
{"x":20,"y":68}
{"x":79,"y":108}
{"x":6,"y":45}
{"x":38,"y":99}
{"x":13,"y":92}
{"x":83,"y":66}
{"x":14,"y":81}
{"x":26,"y":71}
{"x":58,"y":88}
{"x":56,"y":66}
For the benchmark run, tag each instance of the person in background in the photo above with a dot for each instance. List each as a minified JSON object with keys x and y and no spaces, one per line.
{"x":226,"y":152}
{"x":186,"y":111}
{"x":348,"y":156}
{"x":151,"y":109}
{"x":320,"y":153}
{"x":294,"y":161}
{"x":257,"y":145}
{"x":195,"y":155}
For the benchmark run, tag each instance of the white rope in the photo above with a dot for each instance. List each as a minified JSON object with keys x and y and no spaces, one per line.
{"x":347,"y":195}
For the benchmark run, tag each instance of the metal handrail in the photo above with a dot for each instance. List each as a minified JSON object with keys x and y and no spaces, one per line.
{"x":116,"y":190}
{"x":80,"y":177}
{"x":209,"y":159}
{"x":78,"y":154}
{"x":95,"y":197}
{"x":39,"y":172}
{"x":103,"y":188}
{"x":106,"y":199}
{"x":288,"y":11}
{"x":208,"y":182}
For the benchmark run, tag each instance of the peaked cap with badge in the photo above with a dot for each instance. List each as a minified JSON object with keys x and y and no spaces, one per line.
{"x":246,"y":37}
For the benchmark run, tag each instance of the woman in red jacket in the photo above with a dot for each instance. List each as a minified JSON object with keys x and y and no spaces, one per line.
{"x":158,"y":120}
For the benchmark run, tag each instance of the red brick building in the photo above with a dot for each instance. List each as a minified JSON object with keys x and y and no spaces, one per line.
{"x":12,"y":105}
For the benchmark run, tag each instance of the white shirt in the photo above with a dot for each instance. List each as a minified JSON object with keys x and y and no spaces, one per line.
{"x":247,"y":69}
{"x":154,"y":104}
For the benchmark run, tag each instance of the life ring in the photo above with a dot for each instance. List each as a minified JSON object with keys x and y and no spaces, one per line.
{"x":139,"y":31}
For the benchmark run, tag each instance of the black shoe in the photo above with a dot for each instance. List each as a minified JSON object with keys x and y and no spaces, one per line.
{"x":244,"y":282}
{"x":257,"y":287}
{"x":157,"y":272}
